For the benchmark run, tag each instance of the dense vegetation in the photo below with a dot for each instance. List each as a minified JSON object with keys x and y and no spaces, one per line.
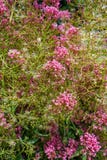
{"x":53,"y":78}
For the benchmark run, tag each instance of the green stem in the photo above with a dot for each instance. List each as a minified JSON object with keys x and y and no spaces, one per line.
{"x":12,"y":11}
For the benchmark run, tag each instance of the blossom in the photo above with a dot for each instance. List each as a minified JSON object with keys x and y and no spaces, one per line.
{"x":65,"y":99}
{"x":4,"y":21}
{"x":10,"y":1}
{"x":90,"y":144}
{"x":3,"y":7}
{"x":64,"y":14}
{"x":51,"y":11}
{"x":61,"y":52}
{"x":54,"y":12}
{"x":37,"y":156}
{"x":56,"y":149}
{"x":68,"y":1}
{"x":71,"y":148}
{"x":18,"y":130}
{"x":54,"y":66}
{"x":74,"y":48}
{"x":50,"y":151}
{"x":60,"y":40}
{"x":16,"y":57}
{"x":13,"y":53}
{"x":61,"y":27}
{"x":3,"y":122}
{"x":54,"y":3}
{"x":54,"y":25}
{"x":100,"y":120}
{"x":53,"y":146}
{"x":105,"y":152}
{"x":71,"y":31}
{"x":97,"y":71}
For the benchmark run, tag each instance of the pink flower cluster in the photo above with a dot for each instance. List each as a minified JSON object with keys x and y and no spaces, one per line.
{"x":53,"y":12}
{"x":61,"y":27}
{"x":61,"y":52}
{"x":3,"y":7}
{"x":13,"y":53}
{"x":37,"y":156}
{"x":54,"y":3}
{"x":10,"y":1}
{"x":16,"y":56}
{"x":105,"y":152}
{"x":3,"y":122}
{"x":65,"y":99}
{"x":36,"y":5}
{"x":71,"y":31}
{"x":64,"y":14}
{"x":54,"y":66}
{"x":66,"y":33}
{"x":4,"y":21}
{"x":90,"y":144}
{"x":55,"y":149}
{"x":68,"y":1}
{"x":50,"y":9}
{"x":97,"y":71}
{"x":100,"y":119}
{"x":53,"y":146}
{"x":61,"y":40}
{"x":71,"y":148}
{"x":74,"y":48}
{"x":18,"y":130}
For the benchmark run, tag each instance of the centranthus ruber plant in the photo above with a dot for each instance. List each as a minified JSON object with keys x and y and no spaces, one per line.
{"x":52,"y":94}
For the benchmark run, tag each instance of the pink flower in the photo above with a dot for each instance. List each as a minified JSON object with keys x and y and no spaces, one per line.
{"x":37,"y":156}
{"x":71,"y":31}
{"x":65,"y":99}
{"x":54,"y":25}
{"x":18,"y":130}
{"x":13,"y":53}
{"x":3,"y":7}
{"x":3,"y":121}
{"x":54,"y":3}
{"x":54,"y":66}
{"x":97,"y":71}
{"x":10,"y":1}
{"x":68,"y":1}
{"x":64,"y":14}
{"x":105,"y":152}
{"x":16,"y":56}
{"x":60,"y":40}
{"x":4,"y":21}
{"x":71,"y":148}
{"x":90,"y":144}
{"x":50,"y":151}
{"x":61,"y":52}
{"x":74,"y":48}
{"x":100,"y":119}
{"x":37,"y":5}
{"x":55,"y":149}
{"x":53,"y":146}
{"x":51,"y":11}
{"x":61,"y":27}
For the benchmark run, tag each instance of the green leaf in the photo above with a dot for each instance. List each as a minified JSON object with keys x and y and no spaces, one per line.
{"x":33,"y":141}
{"x":84,"y":157}
{"x":19,"y":157}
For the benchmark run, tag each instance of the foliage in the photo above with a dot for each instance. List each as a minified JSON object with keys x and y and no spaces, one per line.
{"x":52,"y":88}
